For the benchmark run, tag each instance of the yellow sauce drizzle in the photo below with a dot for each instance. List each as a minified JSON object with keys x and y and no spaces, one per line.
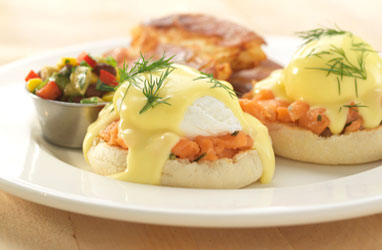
{"x":150,"y":136}
{"x":299,"y":81}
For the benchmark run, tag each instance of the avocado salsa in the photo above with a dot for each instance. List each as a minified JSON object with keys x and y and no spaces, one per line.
{"x":84,"y":79}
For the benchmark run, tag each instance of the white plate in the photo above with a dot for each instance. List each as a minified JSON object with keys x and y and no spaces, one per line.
{"x":300,"y":193}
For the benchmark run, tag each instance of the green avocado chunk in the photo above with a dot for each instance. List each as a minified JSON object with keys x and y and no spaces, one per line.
{"x":79,"y":81}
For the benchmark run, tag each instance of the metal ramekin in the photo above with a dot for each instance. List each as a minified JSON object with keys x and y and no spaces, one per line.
{"x":65,"y":124}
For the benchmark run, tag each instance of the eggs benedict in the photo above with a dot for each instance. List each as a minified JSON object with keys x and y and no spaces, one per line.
{"x":177,"y":126}
{"x":325,"y":106}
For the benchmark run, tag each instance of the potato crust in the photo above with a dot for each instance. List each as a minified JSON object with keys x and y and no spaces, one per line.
{"x":229,"y":34}
{"x":204,"y":42}
{"x":211,"y":41}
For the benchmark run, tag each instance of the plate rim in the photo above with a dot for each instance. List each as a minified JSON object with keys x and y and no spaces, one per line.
{"x":48,"y":196}
{"x":229,"y":219}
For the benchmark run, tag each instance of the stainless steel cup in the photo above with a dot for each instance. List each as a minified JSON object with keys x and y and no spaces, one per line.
{"x":65,"y":124}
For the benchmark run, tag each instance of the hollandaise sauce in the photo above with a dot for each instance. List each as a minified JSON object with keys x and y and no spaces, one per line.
{"x":335,"y":70}
{"x":151,"y":131}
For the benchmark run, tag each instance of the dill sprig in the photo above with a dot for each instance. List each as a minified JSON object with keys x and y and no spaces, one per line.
{"x":151,"y":90}
{"x":316,"y":34}
{"x":199,"y":157}
{"x":363,"y":47}
{"x":216,"y":83}
{"x":149,"y":65}
{"x":172,"y":156}
{"x":143,"y":65}
{"x":341,"y":66}
{"x":124,"y":73}
{"x":235,"y":133}
{"x":353,"y":106}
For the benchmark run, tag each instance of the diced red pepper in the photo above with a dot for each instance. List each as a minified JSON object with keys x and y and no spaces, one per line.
{"x":31,"y":75}
{"x":81,"y":57}
{"x":107,"y":77}
{"x":90,"y":61}
{"x":85,"y":57}
{"x":50,"y":91}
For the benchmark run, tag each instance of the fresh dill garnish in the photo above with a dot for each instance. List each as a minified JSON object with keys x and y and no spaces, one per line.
{"x":318,"y":54}
{"x":172,"y":156}
{"x":199,"y":157}
{"x":143,"y":65}
{"x":319,"y":118}
{"x":341,"y":66}
{"x":235,"y":133}
{"x":108,"y":105}
{"x":149,"y":65}
{"x":353,"y":106}
{"x":151,"y":90}
{"x":316,"y":34}
{"x":339,"y":85}
{"x":124,"y":73}
{"x":124,"y":76}
{"x":363,"y":47}
{"x":217,"y":83}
